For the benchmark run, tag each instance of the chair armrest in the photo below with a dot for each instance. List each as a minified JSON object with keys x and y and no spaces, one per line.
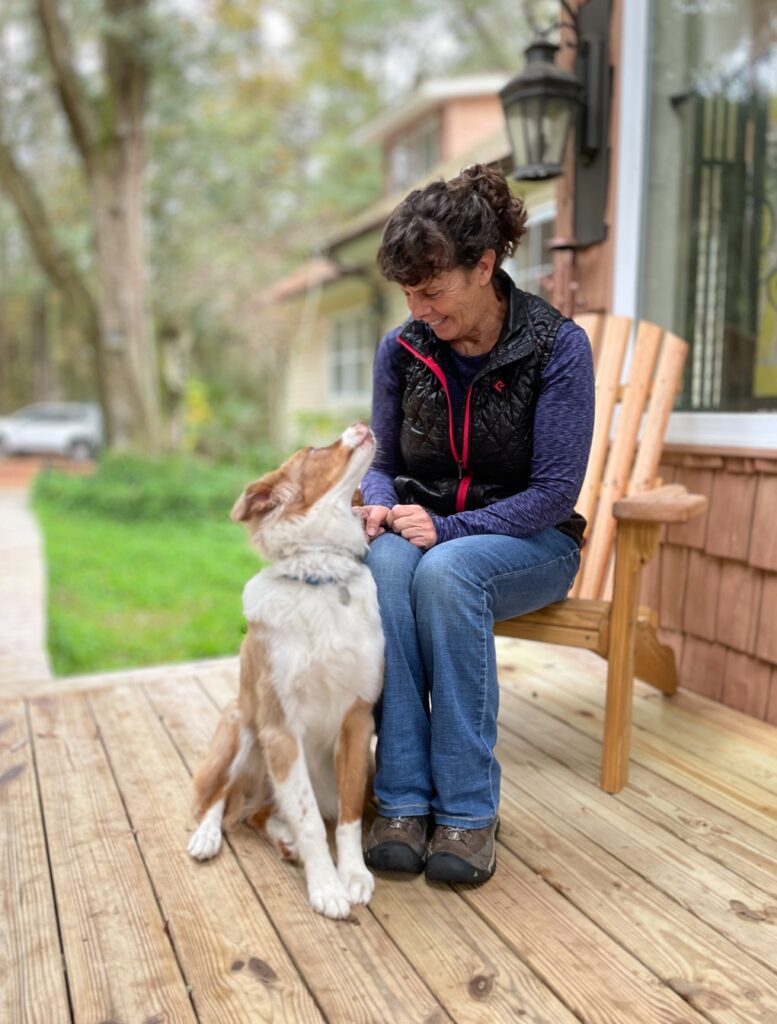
{"x":668,"y":504}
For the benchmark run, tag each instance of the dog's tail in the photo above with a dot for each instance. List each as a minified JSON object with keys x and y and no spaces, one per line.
{"x":210,"y":781}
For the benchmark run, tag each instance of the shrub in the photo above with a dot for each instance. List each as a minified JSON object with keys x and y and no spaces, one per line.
{"x":130,"y":488}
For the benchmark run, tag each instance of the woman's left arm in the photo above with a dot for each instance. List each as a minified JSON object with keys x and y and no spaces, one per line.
{"x":563,"y":427}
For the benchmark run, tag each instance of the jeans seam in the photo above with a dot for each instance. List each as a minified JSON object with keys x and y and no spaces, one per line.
{"x":483,"y":686}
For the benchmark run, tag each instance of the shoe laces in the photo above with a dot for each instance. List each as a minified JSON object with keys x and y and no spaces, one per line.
{"x":400,"y":824}
{"x":455,"y":834}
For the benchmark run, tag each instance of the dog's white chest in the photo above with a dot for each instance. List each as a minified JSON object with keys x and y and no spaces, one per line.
{"x":324,"y":642}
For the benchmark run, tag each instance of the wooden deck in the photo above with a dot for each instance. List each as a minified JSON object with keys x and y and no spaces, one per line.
{"x":655,"y":905}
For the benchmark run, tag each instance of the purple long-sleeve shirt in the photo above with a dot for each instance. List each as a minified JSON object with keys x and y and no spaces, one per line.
{"x":563,"y":426}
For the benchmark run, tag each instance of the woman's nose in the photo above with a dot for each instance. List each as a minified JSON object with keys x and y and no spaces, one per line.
{"x":417,"y":306}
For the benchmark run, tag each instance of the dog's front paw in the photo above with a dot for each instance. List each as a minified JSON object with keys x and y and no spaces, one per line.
{"x":205,"y":841}
{"x":329,"y":898}
{"x":358,"y":883}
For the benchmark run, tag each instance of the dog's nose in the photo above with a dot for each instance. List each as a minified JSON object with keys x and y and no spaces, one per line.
{"x":354,"y":435}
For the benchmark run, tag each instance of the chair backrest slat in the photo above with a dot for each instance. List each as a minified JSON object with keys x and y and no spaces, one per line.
{"x":593,"y":325}
{"x":612,"y":350}
{"x":666,"y":384}
{"x":618,"y":470}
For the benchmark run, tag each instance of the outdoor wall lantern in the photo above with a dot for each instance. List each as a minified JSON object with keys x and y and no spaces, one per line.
{"x":539,"y":104}
{"x":543,"y":101}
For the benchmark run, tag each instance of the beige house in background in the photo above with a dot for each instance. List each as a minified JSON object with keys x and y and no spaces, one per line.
{"x":336,"y":307}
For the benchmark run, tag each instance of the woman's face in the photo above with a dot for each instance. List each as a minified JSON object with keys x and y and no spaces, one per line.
{"x":454,"y":302}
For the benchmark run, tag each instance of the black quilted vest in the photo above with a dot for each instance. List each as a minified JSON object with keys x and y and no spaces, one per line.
{"x":490,"y":458}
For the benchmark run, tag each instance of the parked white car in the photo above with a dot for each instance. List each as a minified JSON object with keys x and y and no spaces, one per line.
{"x":53,"y":428}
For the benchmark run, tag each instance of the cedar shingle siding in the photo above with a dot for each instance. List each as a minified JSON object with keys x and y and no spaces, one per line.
{"x":715,"y":582}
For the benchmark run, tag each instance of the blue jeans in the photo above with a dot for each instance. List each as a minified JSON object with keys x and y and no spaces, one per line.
{"x":436,"y":720}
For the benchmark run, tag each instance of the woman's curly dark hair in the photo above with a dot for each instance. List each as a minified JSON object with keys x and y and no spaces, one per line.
{"x":450,"y":224}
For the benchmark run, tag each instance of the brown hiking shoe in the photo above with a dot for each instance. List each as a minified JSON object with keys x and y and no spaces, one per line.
{"x":462,"y":854}
{"x":397,"y":844}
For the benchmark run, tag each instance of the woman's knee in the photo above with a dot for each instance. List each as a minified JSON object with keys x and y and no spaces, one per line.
{"x":441,"y":579}
{"x":392,"y":561}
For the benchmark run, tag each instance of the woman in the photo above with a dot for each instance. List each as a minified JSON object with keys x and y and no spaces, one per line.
{"x":483,"y":413}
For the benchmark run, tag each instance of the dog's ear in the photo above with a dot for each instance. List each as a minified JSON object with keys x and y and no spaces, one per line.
{"x":255,"y":500}
{"x":357,"y":499}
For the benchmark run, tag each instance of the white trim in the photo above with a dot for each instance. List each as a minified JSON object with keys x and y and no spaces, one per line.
{"x":632,"y":141}
{"x":723,"y":429}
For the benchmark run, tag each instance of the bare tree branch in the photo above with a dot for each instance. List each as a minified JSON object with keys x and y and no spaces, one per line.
{"x":75,"y":102}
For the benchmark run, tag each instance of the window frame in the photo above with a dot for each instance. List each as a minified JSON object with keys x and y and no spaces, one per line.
{"x":702,"y":428}
{"x":361,"y":351}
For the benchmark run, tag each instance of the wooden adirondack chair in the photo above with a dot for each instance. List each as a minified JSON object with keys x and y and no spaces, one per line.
{"x":625,"y":507}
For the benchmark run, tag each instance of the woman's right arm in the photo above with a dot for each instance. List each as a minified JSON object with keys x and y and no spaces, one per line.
{"x":378,"y":485}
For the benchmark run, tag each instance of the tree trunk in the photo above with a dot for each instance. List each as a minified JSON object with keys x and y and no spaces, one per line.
{"x":122,"y":298}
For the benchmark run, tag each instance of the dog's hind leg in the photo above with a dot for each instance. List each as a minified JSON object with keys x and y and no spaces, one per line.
{"x":214,"y":781}
{"x":351,"y":764}
{"x":205,"y":841}
{"x":281,"y":834}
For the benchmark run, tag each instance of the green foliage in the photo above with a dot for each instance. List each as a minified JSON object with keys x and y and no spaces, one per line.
{"x":127,"y":594}
{"x":130,"y":489}
{"x":145,"y":566}
{"x":321,"y":427}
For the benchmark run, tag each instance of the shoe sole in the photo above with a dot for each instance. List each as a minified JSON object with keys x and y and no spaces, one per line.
{"x":447,"y":867}
{"x":394,"y":857}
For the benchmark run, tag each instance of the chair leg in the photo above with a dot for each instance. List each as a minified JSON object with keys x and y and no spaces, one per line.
{"x":635,"y":543}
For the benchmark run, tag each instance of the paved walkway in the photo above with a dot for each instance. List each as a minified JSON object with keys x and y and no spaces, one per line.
{"x":23,"y":655}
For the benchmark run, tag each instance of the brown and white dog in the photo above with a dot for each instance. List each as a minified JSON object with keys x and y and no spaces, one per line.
{"x":294,"y":748}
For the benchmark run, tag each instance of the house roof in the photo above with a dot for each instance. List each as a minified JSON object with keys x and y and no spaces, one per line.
{"x":315,"y":273}
{"x":495,"y":149}
{"x":427,"y":97}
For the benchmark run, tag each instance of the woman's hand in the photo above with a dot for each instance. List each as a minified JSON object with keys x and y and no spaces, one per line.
{"x":374,"y":520}
{"x":414,"y":524}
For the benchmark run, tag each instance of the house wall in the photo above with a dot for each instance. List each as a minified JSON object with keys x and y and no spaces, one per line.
{"x":310,"y":414}
{"x":714,"y":581}
{"x":465,"y":122}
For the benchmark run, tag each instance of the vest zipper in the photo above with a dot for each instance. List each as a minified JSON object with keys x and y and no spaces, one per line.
{"x":465,"y":478}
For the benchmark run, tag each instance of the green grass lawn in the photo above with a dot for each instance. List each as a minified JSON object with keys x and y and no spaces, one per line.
{"x":141,"y":590}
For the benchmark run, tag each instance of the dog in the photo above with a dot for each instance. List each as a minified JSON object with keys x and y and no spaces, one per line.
{"x":294,"y":749}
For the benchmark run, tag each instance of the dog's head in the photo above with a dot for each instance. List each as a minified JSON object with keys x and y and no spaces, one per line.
{"x":308,"y":498}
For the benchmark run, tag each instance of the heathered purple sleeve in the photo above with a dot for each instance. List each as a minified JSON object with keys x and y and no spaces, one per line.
{"x":378,"y":485}
{"x":563,"y":427}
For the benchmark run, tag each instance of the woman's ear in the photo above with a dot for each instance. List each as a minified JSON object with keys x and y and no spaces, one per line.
{"x":485,"y":266}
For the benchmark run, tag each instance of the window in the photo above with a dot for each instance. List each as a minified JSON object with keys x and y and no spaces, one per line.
{"x":414,"y":154}
{"x":351,"y":353}
{"x":710,"y":269}
{"x":532,"y":264}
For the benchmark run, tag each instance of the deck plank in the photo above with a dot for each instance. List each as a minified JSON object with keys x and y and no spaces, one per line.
{"x":691,"y":957}
{"x":210,"y":910}
{"x":597,"y":979}
{"x":714,"y":740}
{"x":728,"y":903}
{"x":565,"y":696}
{"x":475,"y":975}
{"x":109,"y":918}
{"x":340,"y":960}
{"x":744,"y":850}
{"x":32,"y":979}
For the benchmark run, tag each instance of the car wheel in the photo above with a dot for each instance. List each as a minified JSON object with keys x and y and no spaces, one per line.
{"x":81,"y":451}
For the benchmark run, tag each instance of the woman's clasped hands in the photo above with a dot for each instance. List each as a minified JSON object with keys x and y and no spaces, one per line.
{"x":412,"y":522}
